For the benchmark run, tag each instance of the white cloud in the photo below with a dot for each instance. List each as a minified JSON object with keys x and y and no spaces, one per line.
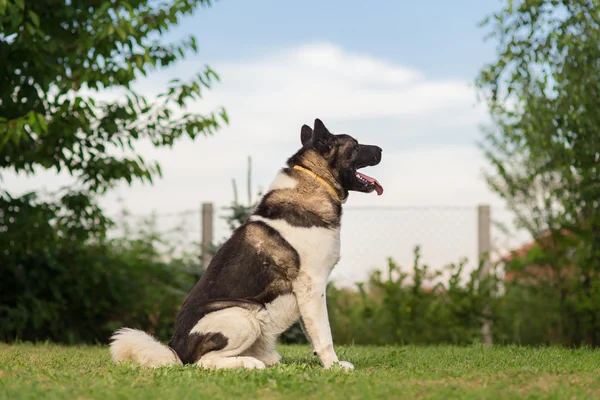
{"x":323,"y":80}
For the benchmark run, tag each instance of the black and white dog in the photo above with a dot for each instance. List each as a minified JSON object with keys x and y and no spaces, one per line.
{"x":272,"y":271}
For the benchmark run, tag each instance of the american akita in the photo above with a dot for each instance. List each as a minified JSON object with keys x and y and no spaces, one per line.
{"x":272,"y":271}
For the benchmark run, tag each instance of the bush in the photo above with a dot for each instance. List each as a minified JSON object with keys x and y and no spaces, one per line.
{"x":391,"y":310}
{"x":60,"y":284}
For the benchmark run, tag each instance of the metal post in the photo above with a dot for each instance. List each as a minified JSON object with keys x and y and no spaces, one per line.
{"x":207,"y":233}
{"x":484,"y":244}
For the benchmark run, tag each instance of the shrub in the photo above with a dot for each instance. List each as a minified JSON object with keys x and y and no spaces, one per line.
{"x":392,"y":310}
{"x":59,"y":284}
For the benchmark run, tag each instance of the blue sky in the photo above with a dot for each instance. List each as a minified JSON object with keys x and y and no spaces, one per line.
{"x":398,"y":74}
{"x":438,"y":37}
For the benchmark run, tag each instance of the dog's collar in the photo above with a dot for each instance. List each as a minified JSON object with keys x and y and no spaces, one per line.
{"x":323,"y":181}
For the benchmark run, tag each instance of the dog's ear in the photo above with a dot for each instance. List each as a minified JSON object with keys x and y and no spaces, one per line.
{"x":320,"y":131}
{"x":306,"y":134}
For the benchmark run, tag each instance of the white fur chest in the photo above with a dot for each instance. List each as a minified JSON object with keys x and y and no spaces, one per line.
{"x":318,"y":248}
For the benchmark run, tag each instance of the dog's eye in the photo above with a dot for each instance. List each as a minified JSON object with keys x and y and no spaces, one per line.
{"x":324,"y":146}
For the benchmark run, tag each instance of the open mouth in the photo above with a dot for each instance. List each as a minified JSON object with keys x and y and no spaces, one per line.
{"x":369,"y":183}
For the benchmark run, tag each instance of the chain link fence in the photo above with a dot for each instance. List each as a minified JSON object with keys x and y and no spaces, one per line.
{"x":370,"y":235}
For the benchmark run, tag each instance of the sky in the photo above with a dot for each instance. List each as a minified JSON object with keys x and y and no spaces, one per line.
{"x":399,"y":74}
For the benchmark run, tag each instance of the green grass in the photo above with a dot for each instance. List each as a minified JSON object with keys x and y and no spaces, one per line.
{"x":54,"y":372}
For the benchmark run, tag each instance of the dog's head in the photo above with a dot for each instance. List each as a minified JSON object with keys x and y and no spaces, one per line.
{"x":337,"y":159}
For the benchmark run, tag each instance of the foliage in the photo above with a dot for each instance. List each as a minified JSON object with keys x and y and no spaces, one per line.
{"x":391,"y":310}
{"x":424,"y":308}
{"x":433,"y":372}
{"x":57,"y":58}
{"x":65,"y":289}
{"x":536,"y":290}
{"x":542,"y":92}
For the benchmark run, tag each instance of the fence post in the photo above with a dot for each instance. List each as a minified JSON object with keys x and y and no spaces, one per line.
{"x":207,"y":233}
{"x":484,"y":245}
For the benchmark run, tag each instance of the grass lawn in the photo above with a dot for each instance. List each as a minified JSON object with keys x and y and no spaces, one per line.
{"x":54,"y":372}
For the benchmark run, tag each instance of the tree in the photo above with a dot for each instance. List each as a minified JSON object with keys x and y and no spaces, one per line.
{"x":57,"y":56}
{"x":53,"y":54}
{"x":543,"y":93}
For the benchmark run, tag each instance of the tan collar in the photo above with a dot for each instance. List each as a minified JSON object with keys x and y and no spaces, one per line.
{"x":323,"y":181}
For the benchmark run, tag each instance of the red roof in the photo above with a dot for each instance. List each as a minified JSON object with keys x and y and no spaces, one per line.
{"x":537,"y":271}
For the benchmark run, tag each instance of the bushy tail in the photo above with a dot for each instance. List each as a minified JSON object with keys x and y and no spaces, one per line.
{"x":137,"y":346}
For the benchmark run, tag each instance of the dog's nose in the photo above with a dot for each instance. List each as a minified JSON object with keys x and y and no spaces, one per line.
{"x":378,"y":151}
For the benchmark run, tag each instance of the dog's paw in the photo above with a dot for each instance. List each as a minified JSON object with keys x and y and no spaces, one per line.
{"x":270,"y":358}
{"x":344,"y":365}
{"x":252,"y":363}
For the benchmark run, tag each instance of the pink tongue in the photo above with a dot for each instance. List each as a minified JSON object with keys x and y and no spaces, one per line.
{"x":378,"y":187}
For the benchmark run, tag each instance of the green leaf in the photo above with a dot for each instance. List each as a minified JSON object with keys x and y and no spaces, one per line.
{"x":41,"y":122}
{"x":34,"y":18}
{"x":224,"y":115}
{"x":121,"y":32}
{"x":30,"y":28}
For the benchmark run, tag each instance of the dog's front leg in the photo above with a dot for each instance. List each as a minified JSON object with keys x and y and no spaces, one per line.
{"x":313,"y":311}
{"x":306,"y":335}
{"x":303,"y":328}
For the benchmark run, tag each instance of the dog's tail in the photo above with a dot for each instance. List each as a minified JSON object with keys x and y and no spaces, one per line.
{"x":141,"y":348}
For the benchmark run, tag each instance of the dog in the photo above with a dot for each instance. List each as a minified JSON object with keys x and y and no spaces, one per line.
{"x":272,"y":271}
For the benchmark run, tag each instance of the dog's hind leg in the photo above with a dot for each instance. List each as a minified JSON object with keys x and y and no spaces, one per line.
{"x":264,"y":350}
{"x":240,"y":329}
